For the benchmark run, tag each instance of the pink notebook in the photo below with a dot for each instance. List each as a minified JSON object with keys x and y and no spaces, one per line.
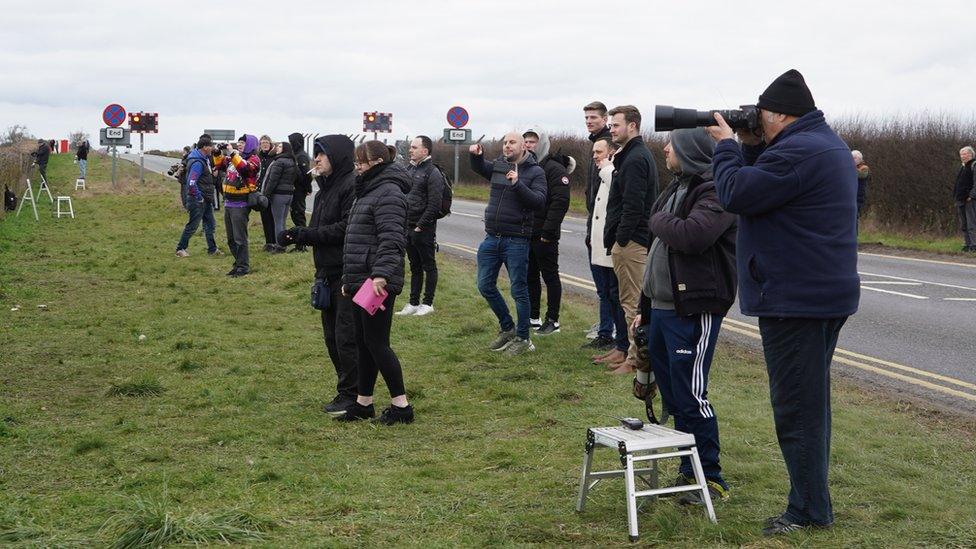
{"x":367,"y":298}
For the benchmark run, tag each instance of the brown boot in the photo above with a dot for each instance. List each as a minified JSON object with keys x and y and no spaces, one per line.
{"x":611,"y":357}
{"x":625,"y":367}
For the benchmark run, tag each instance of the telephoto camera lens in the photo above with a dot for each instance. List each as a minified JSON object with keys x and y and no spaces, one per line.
{"x":667,"y":118}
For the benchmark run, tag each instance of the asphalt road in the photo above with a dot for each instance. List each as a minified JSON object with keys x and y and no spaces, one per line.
{"x":914,"y":334}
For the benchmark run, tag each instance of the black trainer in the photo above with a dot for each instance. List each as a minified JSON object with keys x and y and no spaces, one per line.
{"x":338,"y":405}
{"x":682,"y":480}
{"x":239,"y":272}
{"x":599,"y":343}
{"x":232,"y":272}
{"x":356,"y":411}
{"x":549,"y":327}
{"x":396,"y":414}
{"x":776,"y":526}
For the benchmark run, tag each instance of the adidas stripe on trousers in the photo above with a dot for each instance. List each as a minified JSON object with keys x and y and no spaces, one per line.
{"x":680,"y":350}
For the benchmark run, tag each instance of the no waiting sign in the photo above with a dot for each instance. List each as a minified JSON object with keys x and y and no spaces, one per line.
{"x":457,"y":117}
{"x":113,"y":115}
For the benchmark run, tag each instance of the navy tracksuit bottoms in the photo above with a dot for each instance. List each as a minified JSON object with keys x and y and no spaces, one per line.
{"x":680,"y":350}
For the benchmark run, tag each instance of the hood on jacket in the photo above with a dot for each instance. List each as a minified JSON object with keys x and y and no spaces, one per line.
{"x":297,"y":141}
{"x":250,"y":144}
{"x":542,"y":148}
{"x":197,"y":154}
{"x":387,"y":172}
{"x":694,"y":149}
{"x":339,"y":149}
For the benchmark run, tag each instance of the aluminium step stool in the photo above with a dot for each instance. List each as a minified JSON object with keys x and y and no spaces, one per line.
{"x":638,"y":446}
{"x":45,"y":188}
{"x":80,"y":184}
{"x":70,"y":211}
{"x":28,"y":196}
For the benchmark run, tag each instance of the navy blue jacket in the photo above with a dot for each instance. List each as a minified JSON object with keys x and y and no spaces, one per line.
{"x":510,"y":207}
{"x":796,"y":200}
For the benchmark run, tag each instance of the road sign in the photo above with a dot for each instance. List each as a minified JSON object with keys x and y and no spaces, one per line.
{"x":113,"y":115}
{"x":457,"y":117}
{"x":144,"y":122}
{"x":457,"y":137}
{"x":220,"y":135}
{"x":114,"y":137}
{"x":378,"y":122}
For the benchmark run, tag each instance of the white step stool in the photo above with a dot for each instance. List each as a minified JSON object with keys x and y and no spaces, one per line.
{"x":79,"y":184}
{"x":28,"y":196}
{"x":44,"y":188}
{"x":638,"y":446}
{"x":70,"y":211}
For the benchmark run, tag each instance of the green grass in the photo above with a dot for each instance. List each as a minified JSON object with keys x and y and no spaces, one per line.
{"x":479,"y":192}
{"x":238,"y":450}
{"x":919,"y":242}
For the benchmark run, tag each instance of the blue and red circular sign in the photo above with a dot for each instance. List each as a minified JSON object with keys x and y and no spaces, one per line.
{"x":113,"y":115}
{"x":457,"y":117}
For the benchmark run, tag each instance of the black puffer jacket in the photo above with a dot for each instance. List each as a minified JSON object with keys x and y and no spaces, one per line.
{"x":43,"y":153}
{"x":549,"y":220}
{"x":964,"y":187}
{"x":326,"y":230}
{"x":266,"y":159}
{"x":303,"y":185}
{"x":426,"y":194}
{"x":510,"y":207}
{"x":281,"y":176}
{"x":632,"y":194}
{"x":376,"y":234}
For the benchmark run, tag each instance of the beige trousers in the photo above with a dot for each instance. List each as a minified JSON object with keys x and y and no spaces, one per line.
{"x":628,"y":265}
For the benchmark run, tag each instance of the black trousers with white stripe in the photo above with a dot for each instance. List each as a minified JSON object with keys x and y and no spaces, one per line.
{"x":680,"y":350}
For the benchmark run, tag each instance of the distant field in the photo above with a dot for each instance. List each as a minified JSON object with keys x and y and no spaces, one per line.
{"x":210,"y":428}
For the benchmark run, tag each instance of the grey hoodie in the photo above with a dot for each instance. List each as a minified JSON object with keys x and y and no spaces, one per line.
{"x":693,"y":148}
{"x":542,"y":148}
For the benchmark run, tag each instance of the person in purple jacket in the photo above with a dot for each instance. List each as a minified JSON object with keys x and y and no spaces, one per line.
{"x":795,"y":189}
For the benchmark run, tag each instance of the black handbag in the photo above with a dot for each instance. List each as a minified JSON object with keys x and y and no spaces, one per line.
{"x":321,"y":294}
{"x":257,"y":201}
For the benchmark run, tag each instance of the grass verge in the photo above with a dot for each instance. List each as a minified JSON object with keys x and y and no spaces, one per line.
{"x":493,"y":458}
{"x":479,"y":192}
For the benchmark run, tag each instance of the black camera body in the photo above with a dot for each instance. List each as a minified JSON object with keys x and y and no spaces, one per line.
{"x":640,"y":336}
{"x":667,"y":118}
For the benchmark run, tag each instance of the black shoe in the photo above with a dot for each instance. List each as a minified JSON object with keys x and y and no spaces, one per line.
{"x":269,"y":247}
{"x":775,"y":526}
{"x":682,"y":480}
{"x":239,"y":272}
{"x":338,"y":405}
{"x":716,"y":492}
{"x":549,"y":327}
{"x":356,"y":411}
{"x":396,"y":414}
{"x":233,"y":271}
{"x":298,"y":249}
{"x":599,"y":343}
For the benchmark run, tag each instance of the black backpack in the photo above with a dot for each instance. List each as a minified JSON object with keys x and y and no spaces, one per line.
{"x":9,"y":199}
{"x":447,"y":198}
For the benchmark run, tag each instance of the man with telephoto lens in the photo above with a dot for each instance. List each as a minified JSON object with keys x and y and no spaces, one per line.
{"x":794,"y":187}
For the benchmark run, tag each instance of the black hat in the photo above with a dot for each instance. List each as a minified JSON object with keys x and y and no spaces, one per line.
{"x":788,"y":94}
{"x":205,"y":141}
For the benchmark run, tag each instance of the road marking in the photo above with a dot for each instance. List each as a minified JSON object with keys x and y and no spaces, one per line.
{"x":970,"y":265}
{"x":891,"y":282}
{"x":959,"y":299}
{"x":913,"y":296}
{"x":921,"y":281}
{"x":849,"y":358}
{"x":466,"y":215}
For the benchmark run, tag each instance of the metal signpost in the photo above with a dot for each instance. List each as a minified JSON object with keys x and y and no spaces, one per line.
{"x":458,"y":118}
{"x":143,"y":123}
{"x":113,"y":116}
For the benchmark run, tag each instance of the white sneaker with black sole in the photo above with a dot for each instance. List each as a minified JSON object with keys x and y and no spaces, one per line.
{"x":535,"y":323}
{"x":550,"y":327}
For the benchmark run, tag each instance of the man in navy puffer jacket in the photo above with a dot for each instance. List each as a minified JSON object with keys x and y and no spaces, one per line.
{"x":518,"y":190}
{"x":797,"y":261}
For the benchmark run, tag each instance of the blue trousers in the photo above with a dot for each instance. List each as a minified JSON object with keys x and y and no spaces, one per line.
{"x":798,"y":354}
{"x":680,"y":349}
{"x":611,"y":313}
{"x":513,"y":253}
{"x":198,"y":211}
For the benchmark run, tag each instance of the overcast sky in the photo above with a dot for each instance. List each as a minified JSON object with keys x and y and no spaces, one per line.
{"x":278,"y":67}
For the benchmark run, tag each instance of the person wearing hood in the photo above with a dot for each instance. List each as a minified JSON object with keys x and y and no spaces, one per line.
{"x":688,"y":287}
{"x":303,"y":186}
{"x":423,"y":207}
{"x":266,"y":155}
{"x":198,"y":197}
{"x":41,"y":157}
{"x":326,"y":232}
{"x":81,"y":155}
{"x":373,"y":251}
{"x":243,"y":168}
{"x":279,"y":187}
{"x":546,"y":229}
{"x":794,"y":187}
{"x":518,"y":190}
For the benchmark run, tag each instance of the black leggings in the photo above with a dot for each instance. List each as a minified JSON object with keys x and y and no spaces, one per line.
{"x":375,"y":354}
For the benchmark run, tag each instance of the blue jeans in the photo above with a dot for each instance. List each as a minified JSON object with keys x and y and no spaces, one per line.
{"x":611,"y":313}
{"x":199,"y":211}
{"x":680,"y":350}
{"x":513,"y":252}
{"x":82,"y":169}
{"x":798,"y":353}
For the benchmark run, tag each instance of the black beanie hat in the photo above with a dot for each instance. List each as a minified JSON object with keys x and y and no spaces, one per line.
{"x":788,"y":94}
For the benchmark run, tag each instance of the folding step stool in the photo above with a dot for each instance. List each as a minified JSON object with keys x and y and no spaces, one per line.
{"x":28,"y":195}
{"x":639,"y":446}
{"x":79,"y":184}
{"x":70,"y":211}
{"x":44,"y":188}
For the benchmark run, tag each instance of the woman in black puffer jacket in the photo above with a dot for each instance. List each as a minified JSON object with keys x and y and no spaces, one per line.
{"x":279,"y":187}
{"x":373,"y":249}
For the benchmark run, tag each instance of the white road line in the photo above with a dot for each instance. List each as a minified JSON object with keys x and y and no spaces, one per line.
{"x":891,"y":282}
{"x":466,"y":215}
{"x":959,"y":299}
{"x":970,"y":265}
{"x":913,"y":296}
{"x":922,"y":281}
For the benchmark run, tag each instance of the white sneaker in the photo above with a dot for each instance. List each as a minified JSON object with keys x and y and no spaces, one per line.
{"x":535,"y":323}
{"x":424,"y":309}
{"x":182,"y":253}
{"x":408,"y":310}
